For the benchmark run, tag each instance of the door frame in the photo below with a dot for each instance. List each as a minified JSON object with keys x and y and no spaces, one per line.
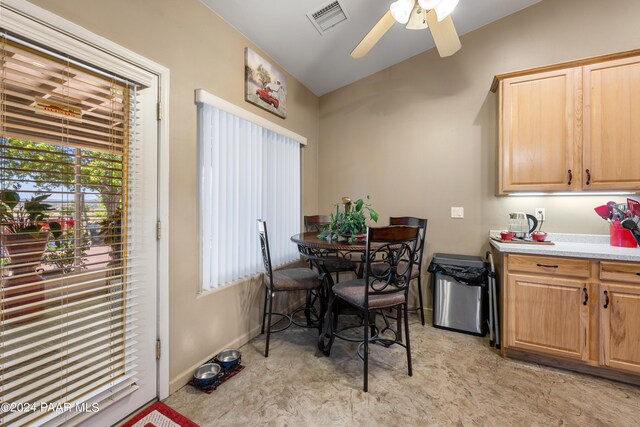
{"x":39,"y":25}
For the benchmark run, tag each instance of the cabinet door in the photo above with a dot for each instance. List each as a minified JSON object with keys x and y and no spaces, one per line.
{"x":611,"y":125}
{"x":538,"y":131}
{"x":547,"y":315}
{"x":620,"y":326}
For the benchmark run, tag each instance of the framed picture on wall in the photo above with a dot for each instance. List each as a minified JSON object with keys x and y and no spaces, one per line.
{"x":264,"y":85}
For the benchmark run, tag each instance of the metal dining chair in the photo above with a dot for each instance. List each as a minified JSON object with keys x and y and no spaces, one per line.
{"x":287,"y":280}
{"x":316,"y":223}
{"x":395,"y":248}
{"x":416,"y":271}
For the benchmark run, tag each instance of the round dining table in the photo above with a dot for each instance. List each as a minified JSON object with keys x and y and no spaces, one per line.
{"x":326,"y":256}
{"x":310,"y":245}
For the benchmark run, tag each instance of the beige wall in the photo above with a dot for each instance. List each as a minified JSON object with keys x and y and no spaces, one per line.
{"x":437,"y":113}
{"x":201,"y":51}
{"x":421,"y":136}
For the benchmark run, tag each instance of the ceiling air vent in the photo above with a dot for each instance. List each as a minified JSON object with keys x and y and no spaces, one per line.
{"x":328,"y":16}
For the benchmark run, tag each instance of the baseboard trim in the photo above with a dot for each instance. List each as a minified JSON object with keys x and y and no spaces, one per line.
{"x":185,"y":376}
{"x":571,"y":365}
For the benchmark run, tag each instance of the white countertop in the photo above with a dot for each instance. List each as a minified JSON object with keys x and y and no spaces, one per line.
{"x":571,"y":245}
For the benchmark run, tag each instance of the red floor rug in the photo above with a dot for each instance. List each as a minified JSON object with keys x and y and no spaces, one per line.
{"x":159,"y":415}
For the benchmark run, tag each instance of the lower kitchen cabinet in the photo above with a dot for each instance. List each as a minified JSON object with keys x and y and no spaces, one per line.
{"x":620,"y":326}
{"x":572,"y":313}
{"x":547,"y":315}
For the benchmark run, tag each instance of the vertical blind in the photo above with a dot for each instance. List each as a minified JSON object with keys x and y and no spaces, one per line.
{"x":68,"y":140}
{"x":246,"y":172}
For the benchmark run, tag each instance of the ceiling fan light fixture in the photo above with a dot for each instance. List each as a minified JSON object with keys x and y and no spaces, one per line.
{"x":418,"y":19}
{"x":428,"y":4}
{"x":401,"y":10}
{"x":444,"y":8}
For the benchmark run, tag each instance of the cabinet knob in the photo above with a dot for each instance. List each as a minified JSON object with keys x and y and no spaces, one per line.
{"x":586,"y":296}
{"x":606,"y":299}
{"x":588,"y":176}
{"x":570,"y":177}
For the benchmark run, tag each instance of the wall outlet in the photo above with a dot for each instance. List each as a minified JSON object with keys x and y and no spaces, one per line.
{"x":457,"y":212}
{"x":540,"y":214}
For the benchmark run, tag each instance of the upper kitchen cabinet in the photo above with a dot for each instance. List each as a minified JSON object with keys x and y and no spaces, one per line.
{"x":538,"y":119}
{"x":612,"y":125}
{"x":570,"y":126}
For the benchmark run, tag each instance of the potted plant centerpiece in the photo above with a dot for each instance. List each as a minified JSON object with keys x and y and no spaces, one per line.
{"x":350,"y":224}
{"x":25,"y":233}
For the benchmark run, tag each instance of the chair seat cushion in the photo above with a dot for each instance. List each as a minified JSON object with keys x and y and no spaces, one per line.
{"x":295,"y":279}
{"x":353,"y":292}
{"x":379,"y":268}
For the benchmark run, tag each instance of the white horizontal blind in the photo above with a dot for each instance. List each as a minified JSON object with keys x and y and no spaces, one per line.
{"x":67,"y":307}
{"x":246,"y":172}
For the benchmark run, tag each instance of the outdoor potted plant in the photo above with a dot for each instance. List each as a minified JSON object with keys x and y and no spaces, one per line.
{"x":111,"y":232}
{"x":25,"y":234}
{"x":66,"y":253}
{"x":351,"y":224}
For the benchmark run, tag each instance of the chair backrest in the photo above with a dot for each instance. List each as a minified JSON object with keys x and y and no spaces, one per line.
{"x":316,"y":223}
{"x":394,"y":246}
{"x":266,"y":253}
{"x":412,"y":221}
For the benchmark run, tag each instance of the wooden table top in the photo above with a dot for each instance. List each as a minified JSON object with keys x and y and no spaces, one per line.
{"x":310,"y":239}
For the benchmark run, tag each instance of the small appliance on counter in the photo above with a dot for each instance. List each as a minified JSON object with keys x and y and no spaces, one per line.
{"x":522,"y":224}
{"x":522,"y":229}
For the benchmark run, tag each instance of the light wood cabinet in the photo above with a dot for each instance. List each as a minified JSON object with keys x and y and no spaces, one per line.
{"x":612,"y":271}
{"x":620,"y":326}
{"x":581,"y":314}
{"x":611,"y":126}
{"x":571,"y":126}
{"x":547,"y":265}
{"x":538,"y":131}
{"x":547,"y":315}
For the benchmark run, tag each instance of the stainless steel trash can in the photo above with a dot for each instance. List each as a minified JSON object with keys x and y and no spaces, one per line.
{"x":459,"y":293}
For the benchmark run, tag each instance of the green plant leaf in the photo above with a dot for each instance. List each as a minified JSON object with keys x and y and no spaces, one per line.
{"x":56,"y":229}
{"x":10,"y":198}
{"x":4,"y":212}
{"x":359,"y":204}
{"x":36,"y":211}
{"x":373,"y":214}
{"x":34,"y":228}
{"x":40,"y":198}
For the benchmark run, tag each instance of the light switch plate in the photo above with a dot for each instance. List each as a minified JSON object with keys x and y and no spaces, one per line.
{"x":457,"y":212}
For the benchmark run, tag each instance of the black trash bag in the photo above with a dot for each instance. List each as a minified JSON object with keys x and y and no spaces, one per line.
{"x":472,"y":276}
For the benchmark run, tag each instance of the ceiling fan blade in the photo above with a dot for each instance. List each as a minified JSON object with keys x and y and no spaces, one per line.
{"x":444,"y":34}
{"x":376,"y":33}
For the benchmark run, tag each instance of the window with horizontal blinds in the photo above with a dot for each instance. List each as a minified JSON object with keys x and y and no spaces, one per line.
{"x":247,"y":172}
{"x":68,"y":162}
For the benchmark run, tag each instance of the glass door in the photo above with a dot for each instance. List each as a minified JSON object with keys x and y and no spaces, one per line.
{"x":78,"y":208}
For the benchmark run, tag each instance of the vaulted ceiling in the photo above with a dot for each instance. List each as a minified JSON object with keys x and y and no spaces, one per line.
{"x":322,"y":62}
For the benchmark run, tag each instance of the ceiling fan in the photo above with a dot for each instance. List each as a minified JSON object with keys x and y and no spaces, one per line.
{"x":417,"y":15}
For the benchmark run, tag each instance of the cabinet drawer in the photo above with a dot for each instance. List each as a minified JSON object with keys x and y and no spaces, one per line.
{"x":550,"y":265}
{"x":620,"y":271}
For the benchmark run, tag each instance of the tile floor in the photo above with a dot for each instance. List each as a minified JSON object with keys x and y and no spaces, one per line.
{"x":458,"y":380}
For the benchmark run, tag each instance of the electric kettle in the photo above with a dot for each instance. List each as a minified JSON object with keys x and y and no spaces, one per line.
{"x":522,"y":224}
